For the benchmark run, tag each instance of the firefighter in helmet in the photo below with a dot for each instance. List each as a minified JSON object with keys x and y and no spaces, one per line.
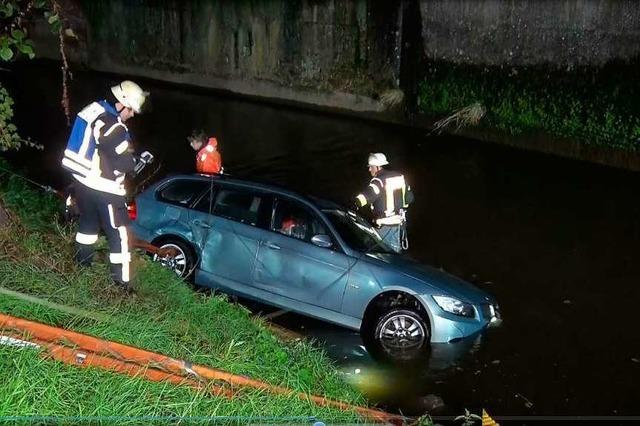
{"x":99,"y":155}
{"x":388,"y":195}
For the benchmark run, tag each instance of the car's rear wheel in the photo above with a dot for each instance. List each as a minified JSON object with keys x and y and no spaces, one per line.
{"x":180,"y":258}
{"x":398,"y":334}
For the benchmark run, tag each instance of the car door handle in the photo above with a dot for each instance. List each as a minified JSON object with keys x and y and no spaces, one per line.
{"x":273,"y":246}
{"x":201,"y":224}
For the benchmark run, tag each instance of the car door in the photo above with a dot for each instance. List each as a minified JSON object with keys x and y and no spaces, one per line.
{"x":289,"y":264}
{"x":230,"y":235}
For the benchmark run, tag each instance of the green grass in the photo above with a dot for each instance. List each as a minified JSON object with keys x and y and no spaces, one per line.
{"x":591,"y":106}
{"x":33,"y":386}
{"x":164,"y":316}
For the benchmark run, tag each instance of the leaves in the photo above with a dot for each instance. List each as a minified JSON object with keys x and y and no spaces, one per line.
{"x":9,"y":137}
{"x":6,"y":53}
{"x":55,"y":23}
{"x":53,"y":18}
{"x":27,"y":49}
{"x":18,"y":35}
{"x":14,"y":40}
{"x":7,"y":9}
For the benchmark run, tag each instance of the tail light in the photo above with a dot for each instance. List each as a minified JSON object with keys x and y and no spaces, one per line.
{"x":132,"y":210}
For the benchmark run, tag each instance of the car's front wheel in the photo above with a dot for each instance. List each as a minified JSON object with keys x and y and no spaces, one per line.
{"x":399,"y":334}
{"x":179,"y":258}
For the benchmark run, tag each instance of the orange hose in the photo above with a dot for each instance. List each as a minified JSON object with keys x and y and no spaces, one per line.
{"x":107,"y":350}
{"x":88,"y":359}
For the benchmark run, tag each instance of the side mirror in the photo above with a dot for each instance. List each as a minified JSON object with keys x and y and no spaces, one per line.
{"x":322,"y":240}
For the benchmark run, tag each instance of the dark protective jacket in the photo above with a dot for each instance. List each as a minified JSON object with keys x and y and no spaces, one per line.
{"x":387,"y":194}
{"x":98,"y":152}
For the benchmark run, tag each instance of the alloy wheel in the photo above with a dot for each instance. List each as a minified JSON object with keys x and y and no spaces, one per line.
{"x":401,"y":332}
{"x":177,"y":263}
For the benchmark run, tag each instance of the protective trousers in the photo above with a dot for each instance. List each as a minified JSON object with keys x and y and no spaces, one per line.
{"x":107,"y":211}
{"x":391,"y":235}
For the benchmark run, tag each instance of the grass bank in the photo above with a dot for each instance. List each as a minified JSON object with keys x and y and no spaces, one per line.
{"x":591,"y":106}
{"x":163,"y":316}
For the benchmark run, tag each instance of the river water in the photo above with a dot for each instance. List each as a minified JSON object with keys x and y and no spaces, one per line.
{"x":555,"y":240}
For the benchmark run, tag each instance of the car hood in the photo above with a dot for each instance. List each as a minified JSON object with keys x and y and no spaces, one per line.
{"x":436,"y":278}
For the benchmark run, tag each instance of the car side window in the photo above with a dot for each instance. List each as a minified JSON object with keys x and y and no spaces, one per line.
{"x":239,"y":205}
{"x":181,"y":192}
{"x":294,"y":220}
{"x":207,"y":201}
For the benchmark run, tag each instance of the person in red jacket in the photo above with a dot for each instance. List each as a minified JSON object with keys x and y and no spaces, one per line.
{"x":208,"y":159}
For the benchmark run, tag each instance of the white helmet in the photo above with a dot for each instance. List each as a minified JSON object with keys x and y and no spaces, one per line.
{"x":377,"y":159}
{"x":130,"y":95}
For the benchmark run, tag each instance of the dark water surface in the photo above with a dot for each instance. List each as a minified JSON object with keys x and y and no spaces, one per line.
{"x":555,"y":240}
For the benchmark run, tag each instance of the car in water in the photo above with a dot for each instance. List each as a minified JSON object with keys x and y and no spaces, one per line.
{"x":308,"y":256}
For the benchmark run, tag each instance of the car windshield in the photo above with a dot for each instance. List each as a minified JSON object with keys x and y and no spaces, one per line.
{"x":357,"y":232}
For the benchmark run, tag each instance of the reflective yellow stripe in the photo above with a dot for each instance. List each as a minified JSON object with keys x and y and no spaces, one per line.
{"x":391,"y":220}
{"x":362,"y":199}
{"x":112,"y":217}
{"x":392,"y":184}
{"x":119,"y":257}
{"x":77,"y":158}
{"x":122,"y":147}
{"x":375,"y":188}
{"x":101,"y":184}
{"x":70,"y":164}
{"x":86,"y":239}
{"x":99,"y":124}
{"x":124,"y":246}
{"x":112,"y":128}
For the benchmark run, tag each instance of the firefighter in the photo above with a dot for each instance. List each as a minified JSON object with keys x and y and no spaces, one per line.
{"x":388,"y":196}
{"x":99,"y":154}
{"x":208,"y":159}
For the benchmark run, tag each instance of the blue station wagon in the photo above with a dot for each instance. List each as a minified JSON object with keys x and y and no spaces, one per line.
{"x":309,"y":256}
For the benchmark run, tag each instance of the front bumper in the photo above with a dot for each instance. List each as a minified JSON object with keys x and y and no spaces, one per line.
{"x":446,"y":327}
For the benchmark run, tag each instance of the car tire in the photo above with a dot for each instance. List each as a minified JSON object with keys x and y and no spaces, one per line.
{"x":183,"y":263}
{"x":398,"y":335}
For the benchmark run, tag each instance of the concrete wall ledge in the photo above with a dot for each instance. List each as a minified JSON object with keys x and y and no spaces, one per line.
{"x":263,"y":90}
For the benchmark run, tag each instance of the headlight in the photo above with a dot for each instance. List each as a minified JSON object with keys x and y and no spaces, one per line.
{"x":455,"y":306}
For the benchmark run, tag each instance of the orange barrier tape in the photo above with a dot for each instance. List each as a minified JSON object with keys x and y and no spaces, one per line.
{"x":105,"y":349}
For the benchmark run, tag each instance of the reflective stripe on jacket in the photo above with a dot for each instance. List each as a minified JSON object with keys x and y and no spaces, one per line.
{"x":98,"y":150}
{"x":387,"y":194}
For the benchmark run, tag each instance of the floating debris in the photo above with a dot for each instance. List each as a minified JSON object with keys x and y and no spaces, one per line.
{"x":527,"y":403}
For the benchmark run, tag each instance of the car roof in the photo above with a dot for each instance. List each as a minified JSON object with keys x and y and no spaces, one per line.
{"x":320,"y":203}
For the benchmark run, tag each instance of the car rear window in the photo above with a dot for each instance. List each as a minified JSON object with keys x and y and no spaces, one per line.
{"x":181,"y":191}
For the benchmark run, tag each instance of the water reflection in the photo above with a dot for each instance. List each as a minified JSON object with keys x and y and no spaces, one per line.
{"x":406,"y":387}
